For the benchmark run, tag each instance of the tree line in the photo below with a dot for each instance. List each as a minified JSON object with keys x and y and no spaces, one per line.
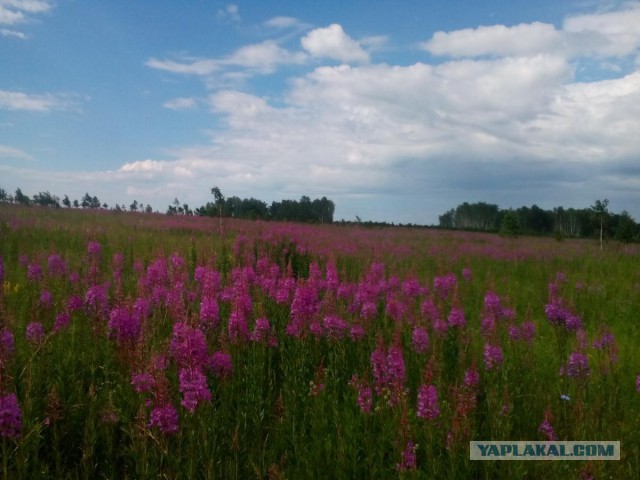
{"x":560,"y":222}
{"x":304,"y":210}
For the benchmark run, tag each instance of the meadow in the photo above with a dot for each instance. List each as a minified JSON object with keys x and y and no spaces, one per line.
{"x":152,"y":346}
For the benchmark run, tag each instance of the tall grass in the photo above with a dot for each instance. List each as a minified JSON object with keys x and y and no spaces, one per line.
{"x":328,"y":376}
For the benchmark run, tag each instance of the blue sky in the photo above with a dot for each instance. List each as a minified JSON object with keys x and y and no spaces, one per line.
{"x":396,"y":110}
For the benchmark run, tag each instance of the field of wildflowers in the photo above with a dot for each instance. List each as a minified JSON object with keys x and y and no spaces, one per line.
{"x":147,"y":346}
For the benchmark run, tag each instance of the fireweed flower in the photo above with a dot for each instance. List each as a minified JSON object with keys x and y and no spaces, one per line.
{"x":34,"y":272}
{"x":492,"y":304}
{"x":420,"y":339}
{"x":209,"y":313}
{"x":357,"y":332}
{"x":6,"y":342}
{"x":261,"y":330}
{"x":546,"y":428}
{"x":123,"y":324}
{"x":96,"y":299}
{"x":194,"y":388}
{"x":142,"y":382}
{"x":35,"y":332}
{"x":74,"y":303}
{"x":528,"y":332}
{"x":334,"y":327}
{"x":62,"y":320}
{"x":395,"y":309}
{"x":577,"y":366}
{"x":46,"y":299}
{"x":238,"y":329}
{"x":188,"y":345}
{"x":94,"y":249}
{"x":56,"y":265}
{"x":445,"y":285}
{"x":221,"y":364}
{"x":471,"y":377}
{"x":10,"y":416}
{"x":395,"y":368}
{"x":492,"y":356}
{"x":428,"y":402}
{"x":456,"y":318}
{"x":411,"y":288}
{"x":408,"y":458}
{"x":514,"y":332}
{"x":165,"y":418}
{"x":467,"y":274}
{"x":638,"y":383}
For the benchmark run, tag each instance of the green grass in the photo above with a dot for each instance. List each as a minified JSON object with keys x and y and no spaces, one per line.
{"x":82,"y":418}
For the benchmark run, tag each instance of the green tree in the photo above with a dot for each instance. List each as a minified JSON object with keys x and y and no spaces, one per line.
{"x":626,"y":228}
{"x":510,"y":225}
{"x":20,"y":197}
{"x":600,"y":208}
{"x":219,"y":198}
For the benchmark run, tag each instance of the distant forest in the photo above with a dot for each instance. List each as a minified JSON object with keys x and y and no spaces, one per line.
{"x":561,"y":222}
{"x":303,"y":210}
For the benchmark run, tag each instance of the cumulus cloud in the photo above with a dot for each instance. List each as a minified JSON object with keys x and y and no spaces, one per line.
{"x":613,"y":34}
{"x":12,"y":100}
{"x":182,"y":103}
{"x":523,"y":39}
{"x":354,"y":132}
{"x":332,"y":42}
{"x":5,"y":32}
{"x":264,"y":57}
{"x":609,"y":34}
{"x":505,"y":118}
{"x":15,"y":12}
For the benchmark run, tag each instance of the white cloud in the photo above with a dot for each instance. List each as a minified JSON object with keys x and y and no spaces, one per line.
{"x":10,"y":17}
{"x":182,"y":103}
{"x":609,"y":34}
{"x":613,"y":34}
{"x":230,"y":12}
{"x":13,"y":12}
{"x":523,"y":39}
{"x":14,"y":153}
{"x":31,"y":6}
{"x":332,"y":42}
{"x":5,"y":32}
{"x":264,"y":57}
{"x":194,"y":67}
{"x":350,"y":132}
{"x":12,"y":100}
{"x":282,"y":22}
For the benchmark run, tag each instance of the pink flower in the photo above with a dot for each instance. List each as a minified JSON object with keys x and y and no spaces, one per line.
{"x":492,"y":356}
{"x":471,"y":377}
{"x":10,"y":416}
{"x":165,"y":417}
{"x":142,"y":382}
{"x":408,"y":458}
{"x":194,"y":388}
{"x":420,"y":339}
{"x":428,"y":402}
{"x":546,"y":428}
{"x":35,"y":332}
